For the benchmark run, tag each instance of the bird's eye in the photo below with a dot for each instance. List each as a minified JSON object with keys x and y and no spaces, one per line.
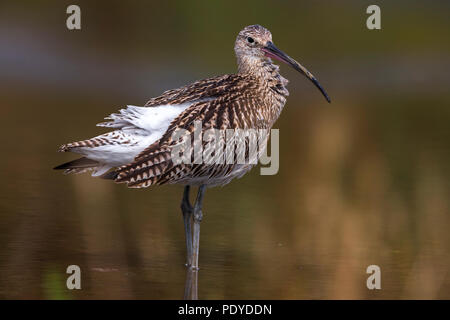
{"x":250,"y":40}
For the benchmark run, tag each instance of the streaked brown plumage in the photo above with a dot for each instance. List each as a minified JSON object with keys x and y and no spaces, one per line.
{"x":236,"y":101}
{"x":253,"y":98}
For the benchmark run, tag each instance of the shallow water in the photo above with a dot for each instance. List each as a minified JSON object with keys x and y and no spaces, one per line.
{"x":363,"y":181}
{"x":352,"y":191}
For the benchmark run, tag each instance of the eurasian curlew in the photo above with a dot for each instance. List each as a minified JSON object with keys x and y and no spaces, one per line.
{"x":139,"y":150}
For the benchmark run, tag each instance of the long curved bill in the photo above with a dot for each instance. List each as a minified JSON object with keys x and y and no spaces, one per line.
{"x":271,"y":51}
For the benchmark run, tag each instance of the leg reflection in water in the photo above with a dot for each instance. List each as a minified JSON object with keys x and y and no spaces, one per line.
{"x":191,"y":285}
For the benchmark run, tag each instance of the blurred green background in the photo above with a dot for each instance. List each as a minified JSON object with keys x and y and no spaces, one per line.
{"x":362,"y":181}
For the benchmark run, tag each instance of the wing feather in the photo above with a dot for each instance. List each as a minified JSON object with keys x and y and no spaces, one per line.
{"x":231,"y":98}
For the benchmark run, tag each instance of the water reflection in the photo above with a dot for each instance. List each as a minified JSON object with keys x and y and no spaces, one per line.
{"x":191,"y":286}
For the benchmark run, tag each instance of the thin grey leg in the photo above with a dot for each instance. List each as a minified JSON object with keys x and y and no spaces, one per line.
{"x":187,"y":210}
{"x":191,"y":285}
{"x":197,"y":220}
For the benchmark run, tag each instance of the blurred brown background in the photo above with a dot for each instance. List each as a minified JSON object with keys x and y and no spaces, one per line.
{"x":362,"y":181}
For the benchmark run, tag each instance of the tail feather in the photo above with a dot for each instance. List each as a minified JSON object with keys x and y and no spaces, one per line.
{"x":78,"y":165}
{"x":112,"y":175}
{"x":146,"y":169}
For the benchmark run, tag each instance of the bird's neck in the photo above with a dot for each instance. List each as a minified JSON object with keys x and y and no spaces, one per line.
{"x":263,"y":69}
{"x":271,"y":83}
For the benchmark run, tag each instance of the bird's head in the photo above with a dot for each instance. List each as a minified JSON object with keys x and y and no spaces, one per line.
{"x":251,"y":41}
{"x":254,"y":45}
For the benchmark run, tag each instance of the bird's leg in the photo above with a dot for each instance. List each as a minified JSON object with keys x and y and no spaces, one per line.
{"x":187,"y":210}
{"x":197,"y":219}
